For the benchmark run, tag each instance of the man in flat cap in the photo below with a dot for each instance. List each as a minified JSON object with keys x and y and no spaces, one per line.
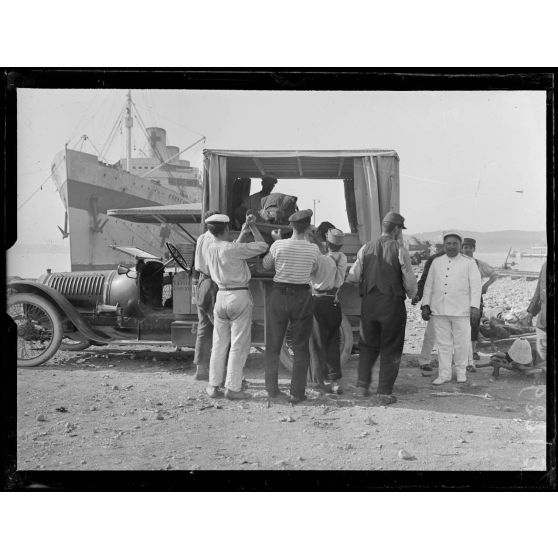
{"x":255,"y":201}
{"x":290,"y":302}
{"x":452,"y":300}
{"x":486,"y":272}
{"x":204,"y":290}
{"x":325,"y":339}
{"x":232,"y":315}
{"x":385,"y":274}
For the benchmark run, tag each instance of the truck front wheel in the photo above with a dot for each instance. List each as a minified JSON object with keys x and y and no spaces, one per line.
{"x":39,"y":328}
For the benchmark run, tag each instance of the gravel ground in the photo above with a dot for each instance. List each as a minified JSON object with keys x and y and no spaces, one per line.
{"x":121,"y":410}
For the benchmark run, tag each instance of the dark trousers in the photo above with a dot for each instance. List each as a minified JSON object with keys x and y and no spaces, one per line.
{"x":207,"y":290}
{"x":325,"y":341}
{"x":476,"y":324}
{"x":288,"y":305}
{"x":382,"y":333}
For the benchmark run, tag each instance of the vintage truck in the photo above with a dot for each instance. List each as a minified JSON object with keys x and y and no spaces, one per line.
{"x":151,"y":301}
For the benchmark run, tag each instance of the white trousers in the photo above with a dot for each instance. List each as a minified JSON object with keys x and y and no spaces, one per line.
{"x":232,"y":324}
{"x":453,"y":336}
{"x":427,"y":344}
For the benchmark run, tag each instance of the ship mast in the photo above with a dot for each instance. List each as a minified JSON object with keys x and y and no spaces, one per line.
{"x":129,"y":123}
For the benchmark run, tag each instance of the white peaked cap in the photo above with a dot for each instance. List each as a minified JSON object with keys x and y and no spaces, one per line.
{"x":218,"y":218}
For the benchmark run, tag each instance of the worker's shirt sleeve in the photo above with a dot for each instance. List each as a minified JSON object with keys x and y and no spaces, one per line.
{"x":429,"y":285}
{"x":475,"y":284}
{"x":269,"y":258}
{"x":409,"y":279}
{"x":535,"y":305}
{"x":421,"y":282}
{"x":341,"y":269}
{"x":248,"y":250}
{"x":355,"y":272}
{"x":316,"y":256}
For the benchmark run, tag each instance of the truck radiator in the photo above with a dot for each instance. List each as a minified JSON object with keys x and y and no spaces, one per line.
{"x":83,"y":289}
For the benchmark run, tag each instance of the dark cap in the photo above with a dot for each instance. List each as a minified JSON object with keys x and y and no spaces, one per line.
{"x":470,"y":241}
{"x":300,"y":215}
{"x":394,"y":218}
{"x":269,"y":179}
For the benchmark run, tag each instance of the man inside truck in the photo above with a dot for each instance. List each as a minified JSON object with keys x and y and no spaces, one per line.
{"x":255,"y":200}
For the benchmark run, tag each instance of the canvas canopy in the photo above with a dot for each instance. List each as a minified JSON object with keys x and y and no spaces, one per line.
{"x":370,"y":176}
{"x":171,"y":214}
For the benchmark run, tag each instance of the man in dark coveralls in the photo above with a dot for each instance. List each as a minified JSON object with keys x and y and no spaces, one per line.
{"x":384,"y":272}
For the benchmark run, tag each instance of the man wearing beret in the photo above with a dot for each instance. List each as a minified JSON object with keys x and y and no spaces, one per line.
{"x":452,"y":299}
{"x":232,"y":315}
{"x":255,"y":200}
{"x":325,"y":339}
{"x":290,"y":302}
{"x":385,"y":274}
{"x":487,"y":272}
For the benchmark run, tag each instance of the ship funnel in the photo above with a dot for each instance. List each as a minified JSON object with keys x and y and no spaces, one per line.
{"x":157,"y":142}
{"x":173,"y":153}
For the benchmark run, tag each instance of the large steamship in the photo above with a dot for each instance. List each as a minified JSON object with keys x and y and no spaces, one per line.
{"x":90,"y":187}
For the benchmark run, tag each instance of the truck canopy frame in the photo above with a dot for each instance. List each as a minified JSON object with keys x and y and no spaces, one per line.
{"x":370,"y":177}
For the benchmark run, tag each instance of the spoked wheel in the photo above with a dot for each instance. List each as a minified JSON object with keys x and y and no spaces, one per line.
{"x":346,"y":341}
{"x":39,"y":328}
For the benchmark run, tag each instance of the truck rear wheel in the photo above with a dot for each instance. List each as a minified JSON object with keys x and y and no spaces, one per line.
{"x":39,"y":328}
{"x":346,"y":334}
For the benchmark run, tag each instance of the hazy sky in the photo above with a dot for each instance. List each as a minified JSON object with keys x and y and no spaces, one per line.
{"x":462,"y":154}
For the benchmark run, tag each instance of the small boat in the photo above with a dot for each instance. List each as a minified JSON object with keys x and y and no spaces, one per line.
{"x":535,"y":252}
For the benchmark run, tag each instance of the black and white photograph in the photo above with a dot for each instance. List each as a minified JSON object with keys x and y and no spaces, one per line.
{"x":281,"y":278}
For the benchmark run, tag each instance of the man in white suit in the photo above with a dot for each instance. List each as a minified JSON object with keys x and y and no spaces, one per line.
{"x":451,"y":300}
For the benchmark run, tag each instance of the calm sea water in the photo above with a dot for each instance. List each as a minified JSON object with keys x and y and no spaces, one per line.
{"x":497,"y":259}
{"x":31,"y":264}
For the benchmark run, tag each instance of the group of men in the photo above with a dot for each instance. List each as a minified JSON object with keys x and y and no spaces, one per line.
{"x":304,"y":287}
{"x":309,"y":269}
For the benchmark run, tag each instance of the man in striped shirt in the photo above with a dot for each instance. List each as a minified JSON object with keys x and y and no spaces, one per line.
{"x":295,"y":259}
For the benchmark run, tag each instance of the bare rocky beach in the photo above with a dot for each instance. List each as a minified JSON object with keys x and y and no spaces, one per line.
{"x":138,"y":407}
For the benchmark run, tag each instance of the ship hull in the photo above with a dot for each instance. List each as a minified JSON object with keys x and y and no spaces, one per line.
{"x":89,"y":189}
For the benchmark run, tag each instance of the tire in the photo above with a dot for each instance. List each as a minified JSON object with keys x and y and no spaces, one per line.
{"x":73,"y":345}
{"x":35,"y":317}
{"x":346,"y":332}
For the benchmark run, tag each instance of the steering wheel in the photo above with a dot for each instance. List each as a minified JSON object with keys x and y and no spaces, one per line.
{"x":178,"y":257}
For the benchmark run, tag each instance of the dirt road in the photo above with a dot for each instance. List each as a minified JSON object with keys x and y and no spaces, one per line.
{"x":114,"y":408}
